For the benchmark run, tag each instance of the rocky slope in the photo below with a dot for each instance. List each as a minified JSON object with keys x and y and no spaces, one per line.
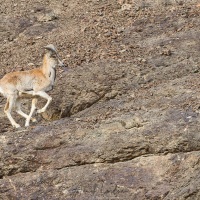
{"x":124,"y":121}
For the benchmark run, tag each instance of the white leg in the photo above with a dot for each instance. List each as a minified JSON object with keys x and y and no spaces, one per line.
{"x":8,"y":109}
{"x":33,"y":107}
{"x":45,"y":96}
{"x":20,"y":112}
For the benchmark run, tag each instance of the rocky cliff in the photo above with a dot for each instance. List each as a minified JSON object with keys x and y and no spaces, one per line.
{"x":124,"y":121}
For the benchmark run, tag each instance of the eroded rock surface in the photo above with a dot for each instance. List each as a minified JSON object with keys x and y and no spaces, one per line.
{"x":124,"y":121}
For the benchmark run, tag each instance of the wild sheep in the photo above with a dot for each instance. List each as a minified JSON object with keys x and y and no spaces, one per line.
{"x":36,"y":82}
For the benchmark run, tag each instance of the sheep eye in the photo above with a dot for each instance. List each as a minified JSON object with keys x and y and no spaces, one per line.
{"x":53,"y":56}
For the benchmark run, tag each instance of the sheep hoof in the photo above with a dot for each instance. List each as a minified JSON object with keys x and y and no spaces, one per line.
{"x":16,"y":126}
{"x":40,"y":111}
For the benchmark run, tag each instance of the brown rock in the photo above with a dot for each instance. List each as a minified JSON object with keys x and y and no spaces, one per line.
{"x":124,"y":120}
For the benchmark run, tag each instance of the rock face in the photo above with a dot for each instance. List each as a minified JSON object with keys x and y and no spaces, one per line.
{"x":124,"y":121}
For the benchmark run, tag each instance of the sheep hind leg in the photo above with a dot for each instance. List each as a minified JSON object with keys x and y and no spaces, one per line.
{"x":8,"y":108}
{"x":20,"y":112}
{"x":33,"y":107}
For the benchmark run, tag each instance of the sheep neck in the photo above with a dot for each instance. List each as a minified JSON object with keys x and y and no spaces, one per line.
{"x":48,"y":68}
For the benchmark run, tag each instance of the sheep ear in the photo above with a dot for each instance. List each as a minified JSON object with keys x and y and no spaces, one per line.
{"x":50,"y":47}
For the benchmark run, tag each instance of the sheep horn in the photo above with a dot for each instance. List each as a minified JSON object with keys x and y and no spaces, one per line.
{"x":50,"y":47}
